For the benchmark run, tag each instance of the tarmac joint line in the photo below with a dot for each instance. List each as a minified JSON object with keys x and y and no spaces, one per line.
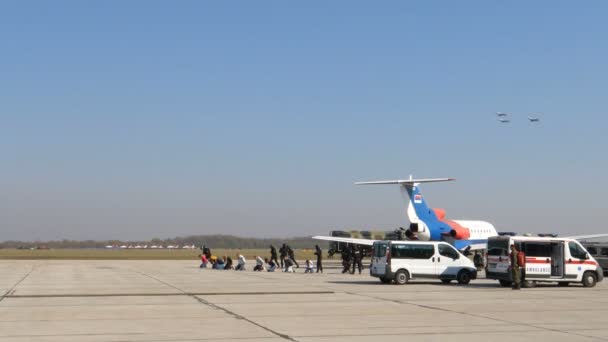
{"x":217,"y":307}
{"x":12,"y":290}
{"x":480,"y":316}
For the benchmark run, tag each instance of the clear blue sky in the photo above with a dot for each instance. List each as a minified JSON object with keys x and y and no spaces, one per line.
{"x":141,"y":119}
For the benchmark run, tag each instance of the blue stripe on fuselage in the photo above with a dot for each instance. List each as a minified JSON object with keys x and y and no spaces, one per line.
{"x":427,"y":215}
{"x":462,"y":244}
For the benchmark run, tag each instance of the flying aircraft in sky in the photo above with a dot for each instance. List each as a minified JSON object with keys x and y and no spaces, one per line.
{"x":533,"y":119}
{"x":501,"y":114}
{"x":431,"y":223}
{"x":504,"y":120}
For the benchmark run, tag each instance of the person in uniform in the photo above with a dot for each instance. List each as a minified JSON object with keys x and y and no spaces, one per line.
{"x":357,"y":259}
{"x":292,"y":256}
{"x":478,"y":261}
{"x":345,"y":260}
{"x":515,"y":268}
{"x":319,"y":254}
{"x":273,"y":255}
{"x":283,"y":254}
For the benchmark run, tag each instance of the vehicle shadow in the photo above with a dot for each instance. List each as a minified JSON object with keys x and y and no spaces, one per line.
{"x":413,"y":283}
{"x":452,"y":284}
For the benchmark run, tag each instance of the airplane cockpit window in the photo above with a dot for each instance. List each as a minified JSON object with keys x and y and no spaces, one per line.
{"x":592,"y":250}
{"x":604,"y":251}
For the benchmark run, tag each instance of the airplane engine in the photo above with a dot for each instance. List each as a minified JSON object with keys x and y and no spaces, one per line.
{"x":418,"y":231}
{"x":459,"y":232}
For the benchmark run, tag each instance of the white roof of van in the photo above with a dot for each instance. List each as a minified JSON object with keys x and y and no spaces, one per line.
{"x":532,"y":238}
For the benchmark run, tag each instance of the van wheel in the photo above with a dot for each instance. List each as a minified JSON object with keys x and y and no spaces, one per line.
{"x":401,"y":277}
{"x":386,"y":280}
{"x":463,"y":277}
{"x":589,"y":279}
{"x":446,"y":281}
{"x":505,"y":283}
{"x":563,"y":283}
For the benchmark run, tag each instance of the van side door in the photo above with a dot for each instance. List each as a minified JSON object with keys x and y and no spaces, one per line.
{"x":447,"y":264}
{"x":539,"y":259}
{"x":379,"y":257}
{"x":417,"y":258}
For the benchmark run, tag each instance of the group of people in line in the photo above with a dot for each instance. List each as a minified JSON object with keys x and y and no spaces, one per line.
{"x":287,"y":261}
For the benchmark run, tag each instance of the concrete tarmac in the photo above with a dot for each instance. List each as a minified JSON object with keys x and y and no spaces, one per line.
{"x":176,"y":301}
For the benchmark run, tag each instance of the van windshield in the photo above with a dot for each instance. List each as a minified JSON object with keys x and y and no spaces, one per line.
{"x":498,"y":247}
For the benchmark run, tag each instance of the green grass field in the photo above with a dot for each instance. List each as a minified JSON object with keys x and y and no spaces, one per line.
{"x":134,"y":254}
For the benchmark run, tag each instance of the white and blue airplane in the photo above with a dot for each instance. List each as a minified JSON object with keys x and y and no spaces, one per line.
{"x":430,"y":224}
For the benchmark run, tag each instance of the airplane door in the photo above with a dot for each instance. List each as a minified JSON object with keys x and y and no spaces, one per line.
{"x":557,"y":259}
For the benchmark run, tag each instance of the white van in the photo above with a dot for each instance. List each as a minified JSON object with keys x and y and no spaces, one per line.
{"x":402,"y":261}
{"x":548,"y":259}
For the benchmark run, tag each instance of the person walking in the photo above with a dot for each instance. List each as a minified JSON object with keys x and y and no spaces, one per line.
{"x":319,"y":254}
{"x":515,"y":273}
{"x":345,"y":260}
{"x":292,"y":256}
{"x":273,"y":255}
{"x":283,"y":254}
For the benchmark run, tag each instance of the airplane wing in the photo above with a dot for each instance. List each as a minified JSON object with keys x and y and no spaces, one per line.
{"x":366,"y":242}
{"x":583,"y":237}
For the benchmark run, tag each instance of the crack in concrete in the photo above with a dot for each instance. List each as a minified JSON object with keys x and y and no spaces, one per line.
{"x":217,"y":307}
{"x":13,"y":289}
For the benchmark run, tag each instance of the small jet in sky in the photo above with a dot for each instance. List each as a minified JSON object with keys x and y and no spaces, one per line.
{"x":533,"y":119}
{"x":504,"y":120}
{"x":501,"y":114}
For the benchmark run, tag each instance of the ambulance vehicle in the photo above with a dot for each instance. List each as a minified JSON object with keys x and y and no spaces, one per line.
{"x":402,"y":261}
{"x":547,"y":259}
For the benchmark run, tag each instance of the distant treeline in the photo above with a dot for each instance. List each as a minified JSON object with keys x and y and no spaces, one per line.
{"x":213,"y":241}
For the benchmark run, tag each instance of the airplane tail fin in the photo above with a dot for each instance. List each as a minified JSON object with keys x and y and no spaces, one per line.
{"x":419,"y":214}
{"x":409,"y":182}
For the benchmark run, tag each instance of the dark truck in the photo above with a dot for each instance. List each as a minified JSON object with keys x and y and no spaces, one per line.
{"x":599,"y":251}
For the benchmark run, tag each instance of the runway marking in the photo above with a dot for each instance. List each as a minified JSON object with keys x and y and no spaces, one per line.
{"x":136,"y":334}
{"x":12,"y":290}
{"x":227,"y":311}
{"x":182,"y":293}
{"x":478,"y":316}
